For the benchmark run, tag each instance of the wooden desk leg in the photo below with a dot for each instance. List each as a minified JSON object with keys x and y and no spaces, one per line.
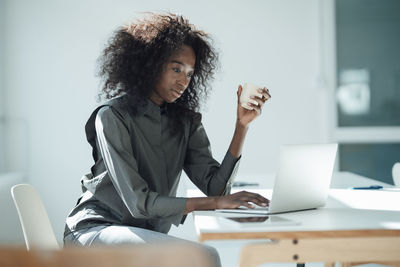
{"x":329,"y":264}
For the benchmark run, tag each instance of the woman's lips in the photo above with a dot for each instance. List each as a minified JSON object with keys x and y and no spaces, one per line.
{"x":177,"y":93}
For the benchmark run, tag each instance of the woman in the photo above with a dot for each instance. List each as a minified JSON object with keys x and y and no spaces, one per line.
{"x":155,"y":73}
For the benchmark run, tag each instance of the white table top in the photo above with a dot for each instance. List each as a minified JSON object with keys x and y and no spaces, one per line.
{"x":346,"y":210}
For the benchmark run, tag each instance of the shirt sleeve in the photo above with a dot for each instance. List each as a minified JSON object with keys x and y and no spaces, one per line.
{"x":203,"y":170}
{"x":115,"y":147}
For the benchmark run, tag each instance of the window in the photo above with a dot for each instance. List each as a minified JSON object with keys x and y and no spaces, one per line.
{"x":361,"y":52}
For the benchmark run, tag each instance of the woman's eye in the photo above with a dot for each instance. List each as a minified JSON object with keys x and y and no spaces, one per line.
{"x":176,"y":70}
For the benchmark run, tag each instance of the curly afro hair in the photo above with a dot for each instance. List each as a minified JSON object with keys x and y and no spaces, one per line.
{"x":134,"y":58}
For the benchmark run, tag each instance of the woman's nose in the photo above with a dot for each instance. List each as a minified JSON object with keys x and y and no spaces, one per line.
{"x":184,"y":81}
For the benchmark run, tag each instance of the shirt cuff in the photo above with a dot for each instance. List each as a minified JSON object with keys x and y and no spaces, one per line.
{"x":170,"y":208}
{"x":229,"y":168}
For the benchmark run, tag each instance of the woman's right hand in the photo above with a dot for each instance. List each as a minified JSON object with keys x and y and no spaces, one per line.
{"x":241,"y":198}
{"x":233,"y":201}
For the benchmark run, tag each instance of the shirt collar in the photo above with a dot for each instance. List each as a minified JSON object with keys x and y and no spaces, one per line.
{"x":153,"y":110}
{"x":148,"y":107}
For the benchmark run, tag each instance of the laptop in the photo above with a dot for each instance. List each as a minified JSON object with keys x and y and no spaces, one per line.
{"x":302,"y":181}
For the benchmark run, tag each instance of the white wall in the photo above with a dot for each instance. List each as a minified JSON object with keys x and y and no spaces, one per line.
{"x":50,"y":52}
{"x":10,"y":230}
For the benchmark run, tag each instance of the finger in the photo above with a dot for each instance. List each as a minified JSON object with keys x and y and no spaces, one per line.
{"x":249,"y":196}
{"x":264,"y":200}
{"x":253,"y":102}
{"x":260,"y":101}
{"x":265,"y":93}
{"x":260,"y":197}
{"x":239,"y":91}
{"x":255,"y":107}
{"x":247,"y":204}
{"x":266,"y":90}
{"x":258,"y":203}
{"x":259,"y":200}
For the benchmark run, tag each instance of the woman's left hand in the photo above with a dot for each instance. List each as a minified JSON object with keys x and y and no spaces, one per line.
{"x":245,"y":116}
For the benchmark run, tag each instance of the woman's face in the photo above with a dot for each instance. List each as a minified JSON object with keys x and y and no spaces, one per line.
{"x":175,"y":77}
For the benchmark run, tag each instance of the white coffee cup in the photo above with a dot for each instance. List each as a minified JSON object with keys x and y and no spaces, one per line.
{"x":248,"y":91}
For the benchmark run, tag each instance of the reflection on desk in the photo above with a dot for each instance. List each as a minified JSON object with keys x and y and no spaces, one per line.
{"x":252,"y":219}
{"x":241,"y":221}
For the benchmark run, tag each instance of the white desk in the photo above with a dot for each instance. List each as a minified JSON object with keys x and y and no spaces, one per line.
{"x":349,"y":214}
{"x":212,"y":225}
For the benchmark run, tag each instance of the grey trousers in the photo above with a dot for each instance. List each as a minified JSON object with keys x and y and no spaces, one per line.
{"x":122,"y":235}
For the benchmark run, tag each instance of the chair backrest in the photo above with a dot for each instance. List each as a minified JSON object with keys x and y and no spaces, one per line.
{"x":35,"y":223}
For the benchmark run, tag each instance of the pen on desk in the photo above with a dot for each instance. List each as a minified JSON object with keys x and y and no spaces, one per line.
{"x":371,"y":187}
{"x":240,"y":184}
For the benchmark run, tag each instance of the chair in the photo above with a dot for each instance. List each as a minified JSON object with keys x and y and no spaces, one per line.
{"x":35,"y":223}
{"x":44,"y":251}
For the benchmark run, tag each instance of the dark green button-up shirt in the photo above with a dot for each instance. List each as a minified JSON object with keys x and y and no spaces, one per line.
{"x":138,"y":163}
